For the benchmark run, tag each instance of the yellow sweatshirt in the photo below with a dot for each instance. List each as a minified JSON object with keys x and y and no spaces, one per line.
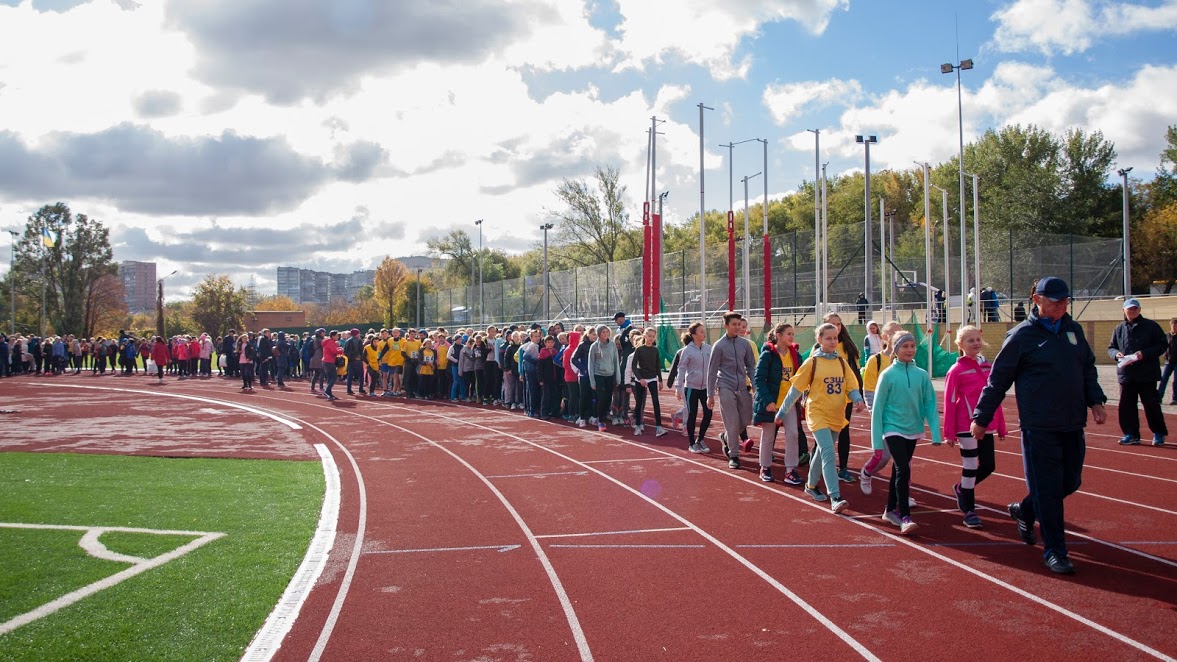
{"x":874,"y":365}
{"x":830,"y":383}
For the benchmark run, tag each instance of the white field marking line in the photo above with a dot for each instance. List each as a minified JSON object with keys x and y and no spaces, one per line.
{"x":613,"y":533}
{"x":499,"y":548}
{"x":925,"y":550}
{"x":772,"y":581}
{"x":269,"y":638}
{"x":992,"y":543}
{"x":253,"y":410}
{"x":143,"y":565}
{"x":1022,"y":480}
{"x":540,"y":475}
{"x":1118,"y":546}
{"x":640,"y":459}
{"x":653,"y":546}
{"x":569,"y":612}
{"x":820,"y":546}
{"x":1148,"y":542}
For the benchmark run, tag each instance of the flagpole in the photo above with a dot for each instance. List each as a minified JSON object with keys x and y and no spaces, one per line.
{"x":44,"y":259}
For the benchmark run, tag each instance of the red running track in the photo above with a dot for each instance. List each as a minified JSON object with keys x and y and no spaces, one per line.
{"x":483,"y":534}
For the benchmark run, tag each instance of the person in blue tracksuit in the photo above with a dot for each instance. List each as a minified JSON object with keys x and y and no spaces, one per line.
{"x":1050,"y":361}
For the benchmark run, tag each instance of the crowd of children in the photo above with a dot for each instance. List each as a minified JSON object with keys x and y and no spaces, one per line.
{"x":607,"y":375}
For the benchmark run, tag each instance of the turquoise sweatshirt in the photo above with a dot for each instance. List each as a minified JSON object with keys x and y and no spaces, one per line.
{"x":904,"y":402}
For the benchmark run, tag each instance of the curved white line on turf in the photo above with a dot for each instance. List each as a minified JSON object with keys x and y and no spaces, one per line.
{"x":796,"y":599}
{"x":253,"y":410}
{"x":269,"y":638}
{"x":95,"y":548}
{"x":904,"y":541}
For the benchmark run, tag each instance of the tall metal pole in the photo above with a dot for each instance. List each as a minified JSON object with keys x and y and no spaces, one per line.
{"x":767,"y":243}
{"x":825,"y":241}
{"x":747,"y":246}
{"x":1127,"y":243}
{"x":418,"y":297}
{"x":481,"y":310}
{"x":702,"y":226}
{"x":818,"y":275}
{"x":976,"y":249}
{"x":928,"y":262}
{"x":547,"y":286}
{"x":869,"y":253}
{"x":883,"y":255}
{"x":964,"y":269}
{"x":947,"y":271}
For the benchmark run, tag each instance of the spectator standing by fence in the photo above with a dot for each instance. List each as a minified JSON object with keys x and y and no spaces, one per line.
{"x":1137,"y":345}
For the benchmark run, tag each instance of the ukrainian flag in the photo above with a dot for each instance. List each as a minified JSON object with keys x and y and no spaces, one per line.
{"x":48,"y":239}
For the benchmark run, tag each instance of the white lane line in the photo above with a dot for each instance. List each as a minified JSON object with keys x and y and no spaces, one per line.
{"x":613,"y":533}
{"x":925,"y":550}
{"x":253,"y":410}
{"x":625,"y":460}
{"x":541,"y":475}
{"x":498,"y":548}
{"x":820,"y":546}
{"x":1148,"y":542}
{"x":269,"y":638}
{"x":991,"y":543}
{"x":203,"y":538}
{"x":685,"y":546}
{"x":569,"y":612}
{"x":772,"y":581}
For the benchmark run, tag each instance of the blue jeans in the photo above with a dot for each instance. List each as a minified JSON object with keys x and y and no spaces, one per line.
{"x":459,"y":383}
{"x":1166,"y":372}
{"x":331,"y":377}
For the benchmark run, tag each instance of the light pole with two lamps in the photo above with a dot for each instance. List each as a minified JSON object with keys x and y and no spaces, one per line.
{"x":948,"y":68}
{"x":481,"y":314}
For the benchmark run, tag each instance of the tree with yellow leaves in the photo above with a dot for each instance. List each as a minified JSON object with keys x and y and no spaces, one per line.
{"x":391,"y":278}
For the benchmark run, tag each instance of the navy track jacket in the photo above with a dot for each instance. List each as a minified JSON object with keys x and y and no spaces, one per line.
{"x":1054,"y":373}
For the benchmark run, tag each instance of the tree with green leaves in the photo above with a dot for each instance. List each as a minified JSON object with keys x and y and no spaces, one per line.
{"x":455,"y":248}
{"x":217,"y":305}
{"x":593,"y":226}
{"x":64,"y":254}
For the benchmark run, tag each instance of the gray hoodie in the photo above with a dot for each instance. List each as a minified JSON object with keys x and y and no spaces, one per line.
{"x":603,"y":361}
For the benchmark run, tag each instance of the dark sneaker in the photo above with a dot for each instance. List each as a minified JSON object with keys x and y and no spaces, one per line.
{"x":1059,"y":564}
{"x":959,"y":501}
{"x":1158,"y":440}
{"x":972,"y":520}
{"x":733,"y":462}
{"x":845,"y":476}
{"x":792,"y":478}
{"x":803,"y":459}
{"x":815,"y":493}
{"x":1025,"y":529}
{"x":1129,"y":440}
{"x":723,"y":442}
{"x":766,"y":474}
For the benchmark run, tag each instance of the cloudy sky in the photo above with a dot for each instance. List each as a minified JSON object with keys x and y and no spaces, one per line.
{"x":234,"y":136}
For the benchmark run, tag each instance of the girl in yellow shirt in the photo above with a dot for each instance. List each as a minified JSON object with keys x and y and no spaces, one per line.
{"x":831,"y":384}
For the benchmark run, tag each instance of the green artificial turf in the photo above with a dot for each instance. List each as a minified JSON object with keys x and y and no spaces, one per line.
{"x":206,"y":605}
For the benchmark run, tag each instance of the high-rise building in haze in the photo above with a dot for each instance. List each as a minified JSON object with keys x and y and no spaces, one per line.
{"x":139,"y":283}
{"x":307,"y":286}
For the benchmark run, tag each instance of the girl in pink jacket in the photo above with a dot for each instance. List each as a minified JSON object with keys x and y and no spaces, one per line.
{"x":962,"y":389}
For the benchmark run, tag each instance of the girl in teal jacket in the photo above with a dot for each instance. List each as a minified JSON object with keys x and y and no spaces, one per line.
{"x":904,"y":402}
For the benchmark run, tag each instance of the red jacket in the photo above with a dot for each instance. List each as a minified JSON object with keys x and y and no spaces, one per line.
{"x":331,"y":349}
{"x":573,"y":343}
{"x":159,"y":353}
{"x":194,"y":349}
{"x":181,"y":350}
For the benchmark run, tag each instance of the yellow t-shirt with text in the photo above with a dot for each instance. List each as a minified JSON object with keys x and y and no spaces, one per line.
{"x":829,"y":383}
{"x":392,"y":355}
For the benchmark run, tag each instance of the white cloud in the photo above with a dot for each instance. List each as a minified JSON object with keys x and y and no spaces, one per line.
{"x":1073,"y":26}
{"x":707,"y":33}
{"x":787,"y":100}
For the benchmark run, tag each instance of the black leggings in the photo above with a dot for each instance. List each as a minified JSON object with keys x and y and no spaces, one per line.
{"x":902,"y":449}
{"x":696,"y":398}
{"x":844,"y":440}
{"x":639,"y":406}
{"x":586,"y":400}
{"x":604,"y":397}
{"x":977,"y":463}
{"x":247,"y":375}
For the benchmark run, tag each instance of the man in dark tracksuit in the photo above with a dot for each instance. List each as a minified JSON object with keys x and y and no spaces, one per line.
{"x":1054,"y":369}
{"x":1143,"y":342}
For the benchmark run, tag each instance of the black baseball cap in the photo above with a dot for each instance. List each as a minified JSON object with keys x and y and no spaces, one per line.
{"x":1053,"y":288}
{"x":619,"y":314}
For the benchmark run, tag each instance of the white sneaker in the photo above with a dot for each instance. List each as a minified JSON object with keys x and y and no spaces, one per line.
{"x":580,"y":422}
{"x":892,"y":517}
{"x":838,"y":505}
{"x":592,"y":420}
{"x":907,"y":526}
{"x":659,"y":431}
{"x":911,"y":503}
{"x":864,"y":482}
{"x":637,"y":430}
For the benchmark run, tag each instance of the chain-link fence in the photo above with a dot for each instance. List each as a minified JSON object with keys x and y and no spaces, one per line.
{"x":1010,"y":262}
